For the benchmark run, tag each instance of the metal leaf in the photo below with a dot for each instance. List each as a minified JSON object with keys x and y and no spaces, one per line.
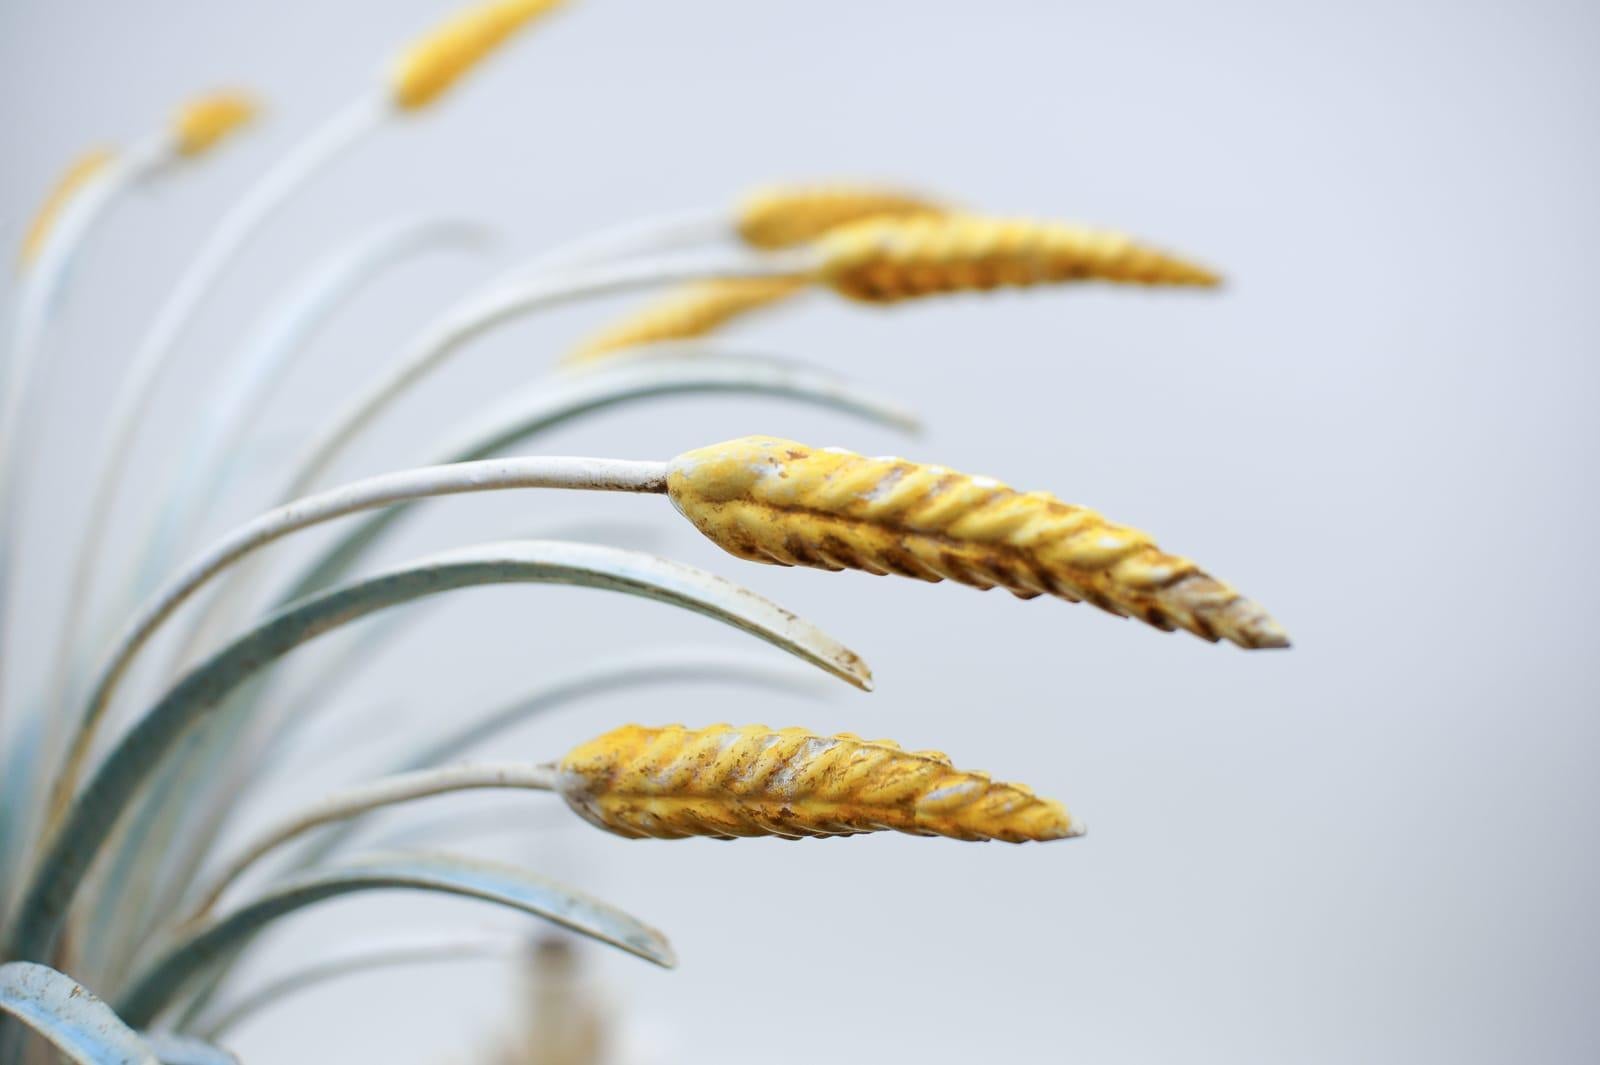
{"x":492,"y":882}
{"x":77,"y":1023}
{"x":144,"y":748}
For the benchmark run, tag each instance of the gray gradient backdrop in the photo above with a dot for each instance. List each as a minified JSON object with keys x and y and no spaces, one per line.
{"x":1378,"y":847}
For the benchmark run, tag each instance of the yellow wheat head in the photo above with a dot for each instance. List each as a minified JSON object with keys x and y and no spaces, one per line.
{"x":886,"y":259}
{"x":203,"y":122}
{"x":83,"y":169}
{"x":725,"y":782}
{"x":690,"y":312}
{"x":771,"y":219}
{"x":787,"y":216}
{"x":776,"y":501}
{"x":438,"y":60}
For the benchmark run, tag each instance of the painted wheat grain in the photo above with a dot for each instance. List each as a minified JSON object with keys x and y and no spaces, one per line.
{"x":726,"y":782}
{"x":777,"y":501}
{"x":884,"y":260}
{"x":204,"y":122}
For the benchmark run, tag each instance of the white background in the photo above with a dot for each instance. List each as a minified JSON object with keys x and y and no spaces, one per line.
{"x":1379,"y":846}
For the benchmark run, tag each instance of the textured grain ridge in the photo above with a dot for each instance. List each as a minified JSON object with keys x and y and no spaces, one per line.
{"x":726,"y":782}
{"x":204,"y":122}
{"x":777,"y":501}
{"x":883,"y":260}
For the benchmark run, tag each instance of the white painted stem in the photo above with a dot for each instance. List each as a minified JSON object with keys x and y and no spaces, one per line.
{"x":41,"y":296}
{"x":252,"y":378}
{"x":224,"y":246}
{"x":644,"y":236}
{"x":388,"y":791}
{"x":505,"y":303}
{"x":605,"y":475}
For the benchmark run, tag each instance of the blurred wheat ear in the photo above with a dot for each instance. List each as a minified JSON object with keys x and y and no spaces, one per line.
{"x":69,"y":185}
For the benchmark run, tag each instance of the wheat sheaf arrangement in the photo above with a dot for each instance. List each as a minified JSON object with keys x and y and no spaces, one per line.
{"x":128,"y":901}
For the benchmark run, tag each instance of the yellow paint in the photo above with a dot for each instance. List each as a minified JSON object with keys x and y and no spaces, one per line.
{"x":726,"y":782}
{"x":690,"y":312}
{"x":203,"y":122}
{"x":786,"y":216}
{"x":883,"y":260}
{"x":69,"y":185}
{"x":438,"y":60}
{"x":777,"y":501}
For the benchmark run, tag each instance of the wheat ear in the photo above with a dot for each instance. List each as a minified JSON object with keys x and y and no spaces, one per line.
{"x":205,"y":121}
{"x":786,"y":216}
{"x":770,"y":219}
{"x":881,"y":260}
{"x":725,"y":782}
{"x":880,"y":248}
{"x":436,"y":62}
{"x":776,"y":501}
{"x":690,"y":312}
{"x":82,"y":170}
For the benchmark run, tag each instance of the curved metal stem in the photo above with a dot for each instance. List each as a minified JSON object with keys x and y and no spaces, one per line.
{"x":611,"y":475}
{"x":231,"y":236}
{"x":250,"y":379}
{"x":503,"y":304}
{"x":144,"y":749}
{"x":386,"y":791}
{"x":41,"y":295}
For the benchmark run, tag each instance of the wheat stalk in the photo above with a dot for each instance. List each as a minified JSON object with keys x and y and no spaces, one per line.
{"x":224,"y":245}
{"x":375,"y":795}
{"x":221,"y":435}
{"x":437,"y":61}
{"x":777,"y":501}
{"x":785,"y":216}
{"x":205,"y":121}
{"x":886,"y":259}
{"x":421,"y":75}
{"x":56,"y":878}
{"x":725,"y":782}
{"x":489,"y":475}
{"x":63,"y":228}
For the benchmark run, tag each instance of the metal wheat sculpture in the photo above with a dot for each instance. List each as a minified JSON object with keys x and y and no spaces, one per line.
{"x":119,"y":870}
